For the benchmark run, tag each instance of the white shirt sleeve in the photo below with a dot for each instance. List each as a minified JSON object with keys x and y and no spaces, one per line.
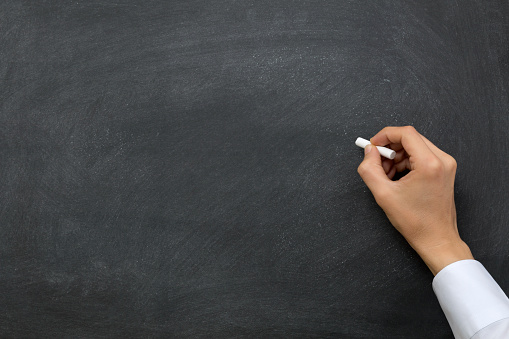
{"x":473,"y":303}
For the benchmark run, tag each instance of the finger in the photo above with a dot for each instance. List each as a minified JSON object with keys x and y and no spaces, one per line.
{"x":395,"y":147}
{"x":387,"y":165}
{"x":448,"y":161}
{"x":400,"y":155}
{"x":437,"y":151}
{"x":392,"y":172}
{"x":403,"y":165}
{"x":372,"y":172}
{"x":408,"y":137}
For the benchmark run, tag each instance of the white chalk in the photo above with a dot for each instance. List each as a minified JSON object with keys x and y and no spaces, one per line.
{"x":384,"y":151}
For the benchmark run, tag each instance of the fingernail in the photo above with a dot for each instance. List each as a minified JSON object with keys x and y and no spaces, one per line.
{"x":367,"y":149}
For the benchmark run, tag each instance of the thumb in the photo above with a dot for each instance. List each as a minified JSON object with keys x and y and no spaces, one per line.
{"x":371,"y":170}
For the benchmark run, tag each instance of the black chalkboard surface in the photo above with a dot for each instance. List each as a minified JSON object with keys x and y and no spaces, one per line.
{"x":188,"y":169}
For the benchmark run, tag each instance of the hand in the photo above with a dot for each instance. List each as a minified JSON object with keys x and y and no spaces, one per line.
{"x":420,"y":205}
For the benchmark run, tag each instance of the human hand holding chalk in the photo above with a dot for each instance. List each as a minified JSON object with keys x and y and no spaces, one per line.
{"x":384,"y":151}
{"x":421,"y":204}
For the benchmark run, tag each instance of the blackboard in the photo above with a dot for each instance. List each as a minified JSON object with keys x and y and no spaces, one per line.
{"x":188,"y":168}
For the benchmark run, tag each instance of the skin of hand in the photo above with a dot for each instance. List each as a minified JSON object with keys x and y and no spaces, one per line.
{"x":420,"y":205}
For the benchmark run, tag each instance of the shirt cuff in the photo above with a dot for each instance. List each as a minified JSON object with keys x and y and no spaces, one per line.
{"x":469,"y":297}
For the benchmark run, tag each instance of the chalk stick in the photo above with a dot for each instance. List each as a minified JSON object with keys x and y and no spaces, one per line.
{"x":384,"y":151}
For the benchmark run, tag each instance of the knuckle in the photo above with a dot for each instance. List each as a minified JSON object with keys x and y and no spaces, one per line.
{"x":435,"y":166}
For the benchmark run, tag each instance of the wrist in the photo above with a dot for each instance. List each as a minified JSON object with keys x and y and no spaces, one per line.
{"x":438,"y":257}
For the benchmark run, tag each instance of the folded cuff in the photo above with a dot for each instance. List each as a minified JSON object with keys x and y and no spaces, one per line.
{"x":469,"y":297}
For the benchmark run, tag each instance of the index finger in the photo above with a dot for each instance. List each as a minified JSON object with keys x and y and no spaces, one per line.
{"x":407,"y":136}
